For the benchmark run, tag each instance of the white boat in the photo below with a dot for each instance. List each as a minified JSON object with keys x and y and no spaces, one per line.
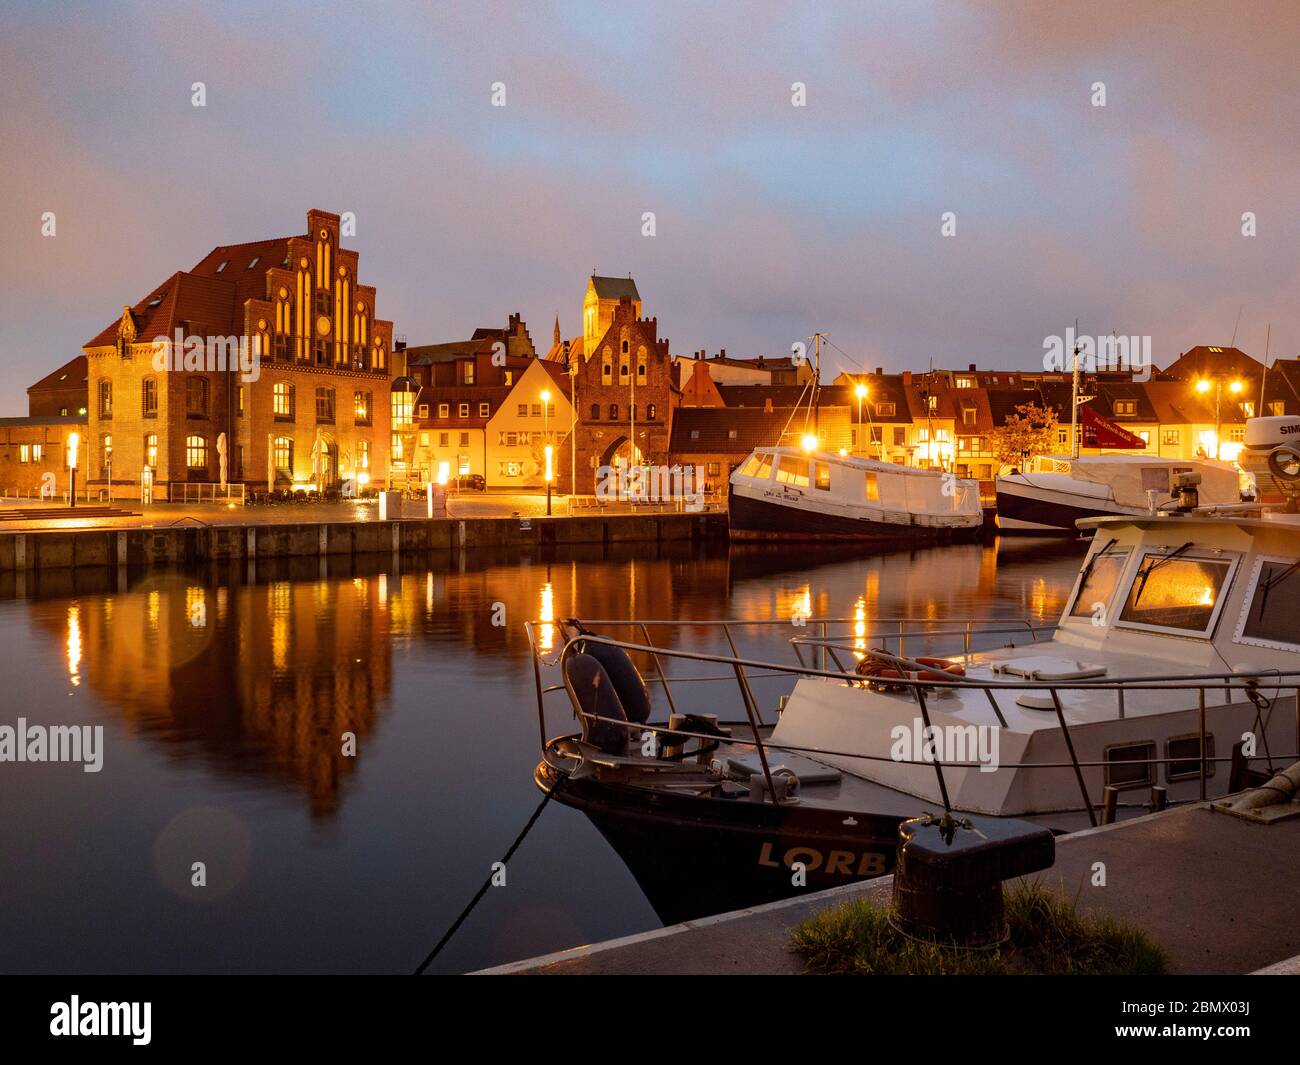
{"x":1172,"y":675}
{"x":790,"y":494}
{"x":1060,"y":490}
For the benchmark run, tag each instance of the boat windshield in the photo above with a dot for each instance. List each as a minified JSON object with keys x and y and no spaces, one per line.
{"x":1274,"y":614}
{"x":1100,"y":577}
{"x":793,"y":471}
{"x":1176,"y":592}
{"x":757,"y":465}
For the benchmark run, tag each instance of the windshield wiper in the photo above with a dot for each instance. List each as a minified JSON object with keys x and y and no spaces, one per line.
{"x":1087,"y":570}
{"x":1145,"y":575}
{"x":1277,"y":578}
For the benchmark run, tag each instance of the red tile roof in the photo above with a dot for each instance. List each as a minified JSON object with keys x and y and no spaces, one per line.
{"x":207,"y":299}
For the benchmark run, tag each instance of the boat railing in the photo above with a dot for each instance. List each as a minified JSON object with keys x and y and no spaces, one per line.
{"x":922,"y":680}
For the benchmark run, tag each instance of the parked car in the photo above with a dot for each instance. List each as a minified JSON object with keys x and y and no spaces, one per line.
{"x":474,"y":482}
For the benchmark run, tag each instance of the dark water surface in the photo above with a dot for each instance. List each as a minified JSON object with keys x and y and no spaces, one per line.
{"x":223,"y":702}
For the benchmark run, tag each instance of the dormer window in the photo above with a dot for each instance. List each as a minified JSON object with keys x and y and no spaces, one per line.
{"x":224,"y":263}
{"x":156,"y":301}
{"x":256,"y":259}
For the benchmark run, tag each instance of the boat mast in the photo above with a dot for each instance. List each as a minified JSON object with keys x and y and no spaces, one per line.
{"x":817,"y":380}
{"x":1074,"y":398}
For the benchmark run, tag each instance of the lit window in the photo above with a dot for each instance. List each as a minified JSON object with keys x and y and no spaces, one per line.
{"x":196,"y":453}
{"x":151,"y":450}
{"x":1176,"y":592}
{"x":282,"y":401}
{"x":284,"y":456}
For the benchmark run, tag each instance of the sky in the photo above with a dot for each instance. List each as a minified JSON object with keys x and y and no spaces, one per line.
{"x":770,"y":220}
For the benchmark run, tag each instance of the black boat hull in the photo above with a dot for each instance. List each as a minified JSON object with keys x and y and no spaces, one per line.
{"x":696,"y":856}
{"x":763,"y":519}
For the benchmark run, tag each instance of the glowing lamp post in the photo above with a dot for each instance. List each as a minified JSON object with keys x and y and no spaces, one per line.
{"x":861,"y":393}
{"x":1203,"y":386}
{"x":550,"y":474}
{"x":74,"y":442}
{"x":810,"y":443}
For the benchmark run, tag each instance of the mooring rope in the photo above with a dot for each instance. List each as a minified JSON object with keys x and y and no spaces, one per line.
{"x":478,"y":896}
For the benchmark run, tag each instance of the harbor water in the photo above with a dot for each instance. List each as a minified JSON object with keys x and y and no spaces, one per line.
{"x":315,"y":769}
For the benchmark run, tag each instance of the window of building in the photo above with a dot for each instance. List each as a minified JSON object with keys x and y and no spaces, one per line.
{"x":280,"y":347}
{"x":196,"y":453}
{"x":222,"y":265}
{"x":1276,"y":408}
{"x":595,"y":412}
{"x":363,"y":455}
{"x":322,"y":353}
{"x":462,"y":410}
{"x":444,"y":439}
{"x":522,"y":410}
{"x":422,"y":411}
{"x":151,"y":450}
{"x":713,"y":469}
{"x":282,"y":402}
{"x":1125,"y":406}
{"x":606,"y":370}
{"x":196,"y":397}
{"x":256,"y":258}
{"x":284,"y":456}
{"x":464,"y":439}
{"x":323,"y":302}
{"x":1170,"y":436}
{"x":650,"y":412}
{"x":510,"y":377}
{"x":361,"y":404}
{"x":900,"y":436}
{"x":968,"y":415}
{"x":613,"y":412}
{"x":469,"y":373}
{"x":624,"y":347}
{"x":106,"y":399}
{"x":149,"y":397}
{"x":325,"y":405}
{"x":24,"y":453}
{"x":933,"y":402}
{"x":965,"y":382}
{"x":537,"y":410}
{"x":884,"y":410}
{"x":239,"y":401}
{"x":485,"y":410}
{"x":1248,"y":409}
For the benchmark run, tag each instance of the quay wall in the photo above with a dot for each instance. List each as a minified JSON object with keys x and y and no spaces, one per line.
{"x":188,"y":544}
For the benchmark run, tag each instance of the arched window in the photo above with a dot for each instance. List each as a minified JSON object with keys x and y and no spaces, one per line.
{"x":283,"y":456}
{"x":625,"y":347}
{"x":613,"y":412}
{"x":196,"y":454}
{"x":151,"y":451}
{"x":595,"y":412}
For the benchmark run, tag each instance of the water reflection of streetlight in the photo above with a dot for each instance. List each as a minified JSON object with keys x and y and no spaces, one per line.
{"x":861,"y":393}
{"x":547,"y":615}
{"x":860,"y":628}
{"x":74,"y":645}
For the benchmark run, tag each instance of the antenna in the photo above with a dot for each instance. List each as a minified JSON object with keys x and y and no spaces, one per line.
{"x":1268,"y":336}
{"x":1233,"y":342}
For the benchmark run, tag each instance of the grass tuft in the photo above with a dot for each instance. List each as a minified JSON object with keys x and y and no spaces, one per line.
{"x":1049,"y":937}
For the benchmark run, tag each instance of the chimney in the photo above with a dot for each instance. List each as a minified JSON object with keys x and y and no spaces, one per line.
{"x":399,"y":342}
{"x":722,"y":353}
{"x":907,"y":378}
{"x":880,"y":371}
{"x":972,"y":367}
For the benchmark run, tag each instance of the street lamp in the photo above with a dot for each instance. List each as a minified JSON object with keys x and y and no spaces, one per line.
{"x":546,"y":439}
{"x":1203,"y":386}
{"x":74,"y":441}
{"x":550,"y":473}
{"x":809,"y":443}
{"x":861,"y":393}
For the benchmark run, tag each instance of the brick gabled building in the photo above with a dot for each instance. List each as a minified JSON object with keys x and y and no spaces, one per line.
{"x":318,"y":408}
{"x":625,"y":395}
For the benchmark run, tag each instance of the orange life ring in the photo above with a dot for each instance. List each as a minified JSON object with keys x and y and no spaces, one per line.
{"x":880,"y":670}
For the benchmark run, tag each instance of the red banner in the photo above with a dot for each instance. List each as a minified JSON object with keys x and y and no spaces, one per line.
{"x":1102,"y":432}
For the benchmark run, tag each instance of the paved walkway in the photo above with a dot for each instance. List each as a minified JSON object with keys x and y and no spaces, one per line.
{"x":466,"y":505}
{"x":1219,"y":894}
